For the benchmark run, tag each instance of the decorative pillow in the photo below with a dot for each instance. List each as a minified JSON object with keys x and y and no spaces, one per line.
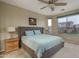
{"x":29,"y":33}
{"x":37,"y":31}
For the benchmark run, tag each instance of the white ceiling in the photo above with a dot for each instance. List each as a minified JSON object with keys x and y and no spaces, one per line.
{"x":35,"y":5}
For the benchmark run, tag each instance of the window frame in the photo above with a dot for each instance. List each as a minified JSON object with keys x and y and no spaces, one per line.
{"x":66,"y":16}
{"x":49,"y":26}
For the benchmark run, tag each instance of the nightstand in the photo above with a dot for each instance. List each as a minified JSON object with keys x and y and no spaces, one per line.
{"x":11,"y":44}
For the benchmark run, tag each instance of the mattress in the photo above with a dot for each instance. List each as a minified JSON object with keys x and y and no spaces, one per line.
{"x":42,"y":42}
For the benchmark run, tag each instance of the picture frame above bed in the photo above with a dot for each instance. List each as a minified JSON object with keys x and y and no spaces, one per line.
{"x":32,"y":21}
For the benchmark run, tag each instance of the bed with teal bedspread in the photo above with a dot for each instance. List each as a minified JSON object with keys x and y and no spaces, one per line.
{"x":42,"y":42}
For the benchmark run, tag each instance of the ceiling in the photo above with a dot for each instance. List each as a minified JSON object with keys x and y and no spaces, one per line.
{"x":35,"y":5}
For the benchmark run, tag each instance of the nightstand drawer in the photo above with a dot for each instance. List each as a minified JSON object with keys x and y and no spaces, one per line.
{"x":11,"y":44}
{"x":11,"y":48}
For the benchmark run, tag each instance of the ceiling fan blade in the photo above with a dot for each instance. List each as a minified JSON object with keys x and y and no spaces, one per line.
{"x":60,"y":4}
{"x":43,"y":7}
{"x":43,"y":1}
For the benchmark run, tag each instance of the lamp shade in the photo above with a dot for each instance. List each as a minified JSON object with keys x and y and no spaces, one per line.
{"x":11,"y":29}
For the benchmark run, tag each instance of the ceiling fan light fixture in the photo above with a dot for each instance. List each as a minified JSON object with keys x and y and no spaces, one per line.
{"x":62,"y":9}
{"x":52,"y":9}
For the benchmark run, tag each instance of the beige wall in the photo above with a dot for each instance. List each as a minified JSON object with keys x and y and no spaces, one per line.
{"x":15,"y":16}
{"x":54,"y":25}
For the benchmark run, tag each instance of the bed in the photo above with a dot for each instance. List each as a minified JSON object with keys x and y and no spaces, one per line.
{"x":42,"y":45}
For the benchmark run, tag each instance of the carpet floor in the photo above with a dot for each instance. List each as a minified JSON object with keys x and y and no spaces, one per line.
{"x":68,"y":51}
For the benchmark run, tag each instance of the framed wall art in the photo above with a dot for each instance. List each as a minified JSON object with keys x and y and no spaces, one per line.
{"x":32,"y":21}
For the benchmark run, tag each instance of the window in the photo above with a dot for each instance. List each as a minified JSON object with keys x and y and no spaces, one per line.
{"x":69,"y":24}
{"x":49,"y":25}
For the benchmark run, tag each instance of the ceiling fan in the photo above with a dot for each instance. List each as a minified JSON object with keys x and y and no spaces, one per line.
{"x":52,"y":4}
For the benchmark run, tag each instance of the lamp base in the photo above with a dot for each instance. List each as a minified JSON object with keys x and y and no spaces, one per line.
{"x":12,"y":35}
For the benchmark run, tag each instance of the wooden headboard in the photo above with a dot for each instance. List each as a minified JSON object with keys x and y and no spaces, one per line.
{"x":21,"y":31}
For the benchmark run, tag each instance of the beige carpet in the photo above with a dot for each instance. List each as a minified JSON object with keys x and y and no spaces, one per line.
{"x":69,"y":51}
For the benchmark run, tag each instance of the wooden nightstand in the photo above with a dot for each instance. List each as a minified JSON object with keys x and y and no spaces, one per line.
{"x":11,"y":44}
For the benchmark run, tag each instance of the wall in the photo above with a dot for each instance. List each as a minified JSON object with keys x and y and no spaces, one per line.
{"x":54,"y":25}
{"x":15,"y":16}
